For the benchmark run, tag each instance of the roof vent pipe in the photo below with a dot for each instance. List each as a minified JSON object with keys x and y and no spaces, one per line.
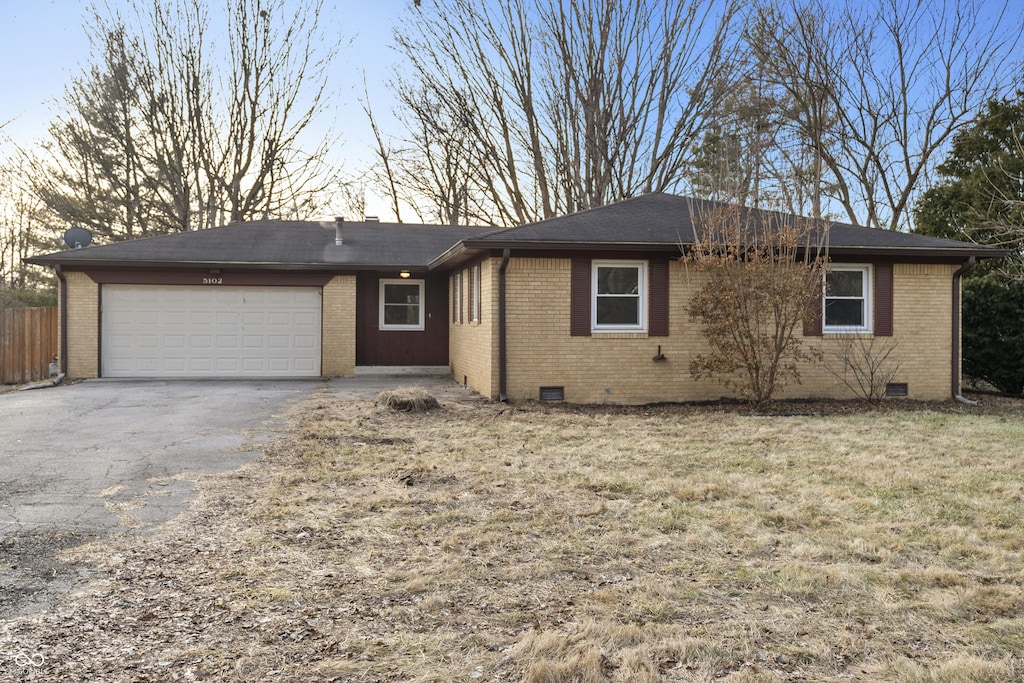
{"x":339,"y":222}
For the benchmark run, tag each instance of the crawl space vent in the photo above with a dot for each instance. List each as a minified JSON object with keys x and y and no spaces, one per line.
{"x":552,"y":393}
{"x":897,"y":389}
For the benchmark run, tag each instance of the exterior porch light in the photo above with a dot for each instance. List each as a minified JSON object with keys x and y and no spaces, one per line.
{"x":404,"y":274}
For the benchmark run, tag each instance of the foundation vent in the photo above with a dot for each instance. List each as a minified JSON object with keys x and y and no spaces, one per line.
{"x":897,"y":389}
{"x":552,"y":393}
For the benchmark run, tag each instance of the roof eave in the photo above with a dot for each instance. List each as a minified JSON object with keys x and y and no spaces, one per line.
{"x":920,"y":252}
{"x":85,"y":264}
{"x":465,"y":250}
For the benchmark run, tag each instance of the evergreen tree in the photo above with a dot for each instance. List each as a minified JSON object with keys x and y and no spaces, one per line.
{"x":981,"y":198}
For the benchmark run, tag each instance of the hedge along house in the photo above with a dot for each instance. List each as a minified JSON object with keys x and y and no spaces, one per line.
{"x":590,"y":307}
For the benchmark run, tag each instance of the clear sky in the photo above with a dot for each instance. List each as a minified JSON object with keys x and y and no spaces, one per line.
{"x":45,"y":45}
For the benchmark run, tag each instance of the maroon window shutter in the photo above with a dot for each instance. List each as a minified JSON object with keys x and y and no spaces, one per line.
{"x":579,"y":322}
{"x":883,"y":300}
{"x":657,"y":325}
{"x":812,"y":321}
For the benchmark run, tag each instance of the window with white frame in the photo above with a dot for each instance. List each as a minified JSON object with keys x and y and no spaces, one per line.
{"x":474,"y":293}
{"x":847,"y":300}
{"x":401,"y":304}
{"x":619,"y":296}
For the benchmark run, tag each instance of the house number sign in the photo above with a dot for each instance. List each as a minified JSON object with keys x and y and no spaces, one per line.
{"x":213,"y":280}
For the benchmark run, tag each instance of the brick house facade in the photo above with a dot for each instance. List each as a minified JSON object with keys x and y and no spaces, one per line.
{"x":590,"y":307}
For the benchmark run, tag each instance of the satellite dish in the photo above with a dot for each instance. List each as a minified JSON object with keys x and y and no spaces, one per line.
{"x":76,"y":238}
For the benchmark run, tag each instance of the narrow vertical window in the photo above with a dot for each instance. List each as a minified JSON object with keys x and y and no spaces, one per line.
{"x":457,"y":297}
{"x":401,"y":304}
{"x":474,"y":293}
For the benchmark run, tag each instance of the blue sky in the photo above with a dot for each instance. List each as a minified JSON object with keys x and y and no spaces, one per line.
{"x":45,"y":46}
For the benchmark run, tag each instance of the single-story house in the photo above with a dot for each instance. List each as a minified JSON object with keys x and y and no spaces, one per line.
{"x":589,"y":307}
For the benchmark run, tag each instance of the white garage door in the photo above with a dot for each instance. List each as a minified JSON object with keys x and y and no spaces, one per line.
{"x":212,"y":331}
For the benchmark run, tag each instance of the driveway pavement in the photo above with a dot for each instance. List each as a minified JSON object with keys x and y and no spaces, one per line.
{"x":85,"y":460}
{"x":81,"y":461}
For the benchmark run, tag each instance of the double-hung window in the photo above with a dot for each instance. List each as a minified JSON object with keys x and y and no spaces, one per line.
{"x":401,"y":304}
{"x":619,"y":296}
{"x":847,"y":299}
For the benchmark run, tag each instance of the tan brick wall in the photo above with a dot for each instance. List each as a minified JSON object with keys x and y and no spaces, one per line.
{"x":922,"y":333}
{"x":619,"y":368}
{"x":83,"y":312}
{"x":339,"y":327}
{"x":473,"y":346}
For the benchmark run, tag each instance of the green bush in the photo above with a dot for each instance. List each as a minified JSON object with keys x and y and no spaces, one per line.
{"x":27,"y":298}
{"x":993,"y":339}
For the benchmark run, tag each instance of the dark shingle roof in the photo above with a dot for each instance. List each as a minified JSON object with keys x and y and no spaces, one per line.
{"x":292,"y":244}
{"x":668,"y":221}
{"x":651,"y":222}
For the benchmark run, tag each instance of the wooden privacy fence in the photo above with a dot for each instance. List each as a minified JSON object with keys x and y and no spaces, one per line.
{"x":28,"y":343}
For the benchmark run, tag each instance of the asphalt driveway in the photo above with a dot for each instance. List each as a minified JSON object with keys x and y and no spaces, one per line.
{"x":85,"y":460}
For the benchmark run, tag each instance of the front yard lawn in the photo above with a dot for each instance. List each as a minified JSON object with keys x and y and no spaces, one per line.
{"x":553,"y":544}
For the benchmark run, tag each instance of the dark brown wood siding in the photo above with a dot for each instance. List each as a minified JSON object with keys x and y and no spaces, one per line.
{"x":375,"y":346}
{"x":210,"y":278}
{"x":579,"y":325}
{"x":812,"y":321}
{"x":883,"y":300}
{"x":658,"y":323}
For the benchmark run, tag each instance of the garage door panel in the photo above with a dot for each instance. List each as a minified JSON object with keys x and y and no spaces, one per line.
{"x":276,"y":366}
{"x":189,"y":331}
{"x":200,"y":365}
{"x":253,"y":365}
{"x":306,"y":366}
{"x":228,"y":365}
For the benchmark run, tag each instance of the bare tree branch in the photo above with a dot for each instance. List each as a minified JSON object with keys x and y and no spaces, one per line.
{"x":566,"y":104}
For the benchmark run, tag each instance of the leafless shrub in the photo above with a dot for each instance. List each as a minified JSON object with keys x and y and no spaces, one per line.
{"x":762,"y":277}
{"x":865,"y":364}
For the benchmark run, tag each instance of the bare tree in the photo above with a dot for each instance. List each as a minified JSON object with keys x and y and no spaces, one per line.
{"x":761,"y":275}
{"x":23,"y":230}
{"x":561,"y":105}
{"x":748,"y":154}
{"x":879,"y":88}
{"x":432,"y":169}
{"x":171,"y":130}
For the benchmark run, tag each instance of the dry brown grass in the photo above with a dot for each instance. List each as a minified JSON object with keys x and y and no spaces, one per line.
{"x":560,"y":545}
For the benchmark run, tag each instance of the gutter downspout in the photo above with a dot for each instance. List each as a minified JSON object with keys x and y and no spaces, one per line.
{"x":957,"y":280}
{"x":502,"y":360}
{"x":63,"y":319}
